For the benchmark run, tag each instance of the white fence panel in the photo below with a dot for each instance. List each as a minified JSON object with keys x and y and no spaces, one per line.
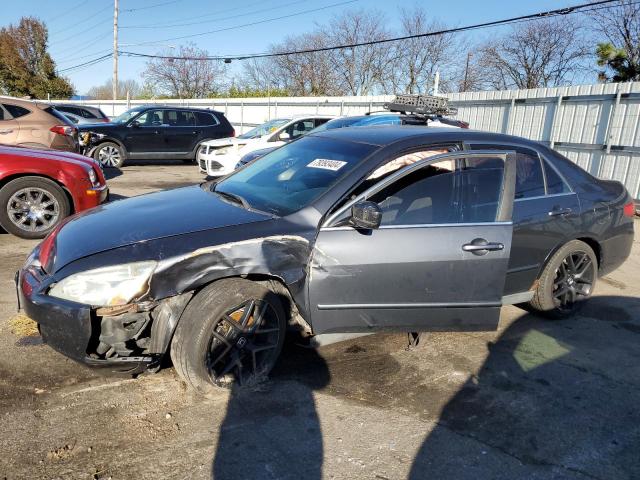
{"x":596,"y":126}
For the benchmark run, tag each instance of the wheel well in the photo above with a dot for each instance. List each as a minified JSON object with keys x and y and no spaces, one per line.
{"x":109,"y":140}
{"x":9,"y":178}
{"x":597,"y":249}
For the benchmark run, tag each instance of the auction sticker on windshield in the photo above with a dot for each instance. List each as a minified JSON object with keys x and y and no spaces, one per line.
{"x":326,"y":164}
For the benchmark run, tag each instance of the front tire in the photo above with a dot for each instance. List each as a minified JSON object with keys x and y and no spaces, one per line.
{"x":109,"y":154}
{"x":567,"y":280}
{"x":30,"y":207}
{"x":232,"y":330}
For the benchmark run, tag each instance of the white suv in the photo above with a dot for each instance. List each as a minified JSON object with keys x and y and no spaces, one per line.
{"x":220,"y":157}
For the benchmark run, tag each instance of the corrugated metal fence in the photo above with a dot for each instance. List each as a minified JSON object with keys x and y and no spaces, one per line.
{"x":596,"y":126}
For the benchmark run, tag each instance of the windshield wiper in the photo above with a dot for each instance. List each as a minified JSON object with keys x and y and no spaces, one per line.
{"x":233,"y":197}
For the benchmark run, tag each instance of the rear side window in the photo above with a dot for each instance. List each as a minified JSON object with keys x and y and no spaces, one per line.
{"x":179,"y":118}
{"x":555,"y":184}
{"x":16,"y":111}
{"x":205,"y":119}
{"x":529,"y":173}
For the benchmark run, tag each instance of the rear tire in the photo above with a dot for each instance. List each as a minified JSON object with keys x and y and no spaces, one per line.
{"x":109,"y":154}
{"x":30,"y":207}
{"x":567,"y":280}
{"x":232,"y":330}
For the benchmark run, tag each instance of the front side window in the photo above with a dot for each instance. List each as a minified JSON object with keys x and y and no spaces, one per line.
{"x":296,"y":130}
{"x":293,"y":176}
{"x":150,"y":118}
{"x":16,"y":111}
{"x":445,"y":192}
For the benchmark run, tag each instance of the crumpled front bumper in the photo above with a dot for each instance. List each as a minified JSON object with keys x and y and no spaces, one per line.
{"x":65,"y":326}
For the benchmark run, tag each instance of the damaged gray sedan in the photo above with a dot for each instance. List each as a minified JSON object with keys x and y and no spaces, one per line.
{"x":394,"y":228}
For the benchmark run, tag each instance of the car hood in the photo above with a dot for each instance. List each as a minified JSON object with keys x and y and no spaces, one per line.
{"x":144,"y":218}
{"x":48,"y":155}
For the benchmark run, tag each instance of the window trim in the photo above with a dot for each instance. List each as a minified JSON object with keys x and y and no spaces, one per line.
{"x":385,"y":182}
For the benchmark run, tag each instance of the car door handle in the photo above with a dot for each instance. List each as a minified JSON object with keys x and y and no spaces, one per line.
{"x":480,"y":246}
{"x":4,"y":132}
{"x":560,"y":211}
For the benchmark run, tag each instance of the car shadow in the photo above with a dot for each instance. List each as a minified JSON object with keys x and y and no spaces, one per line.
{"x":272,"y":430}
{"x":554,"y":399}
{"x":111,"y":172}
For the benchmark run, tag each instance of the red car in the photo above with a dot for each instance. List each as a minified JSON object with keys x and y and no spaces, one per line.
{"x":39,"y":188}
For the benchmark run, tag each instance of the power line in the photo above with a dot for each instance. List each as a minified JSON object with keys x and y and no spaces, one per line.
{"x":534,"y":16}
{"x":206,"y":15}
{"x":79,"y":22}
{"x":65,"y":11}
{"x":249,"y":24}
{"x":151,"y":6}
{"x":90,"y":62}
{"x":582,"y":8}
{"x":217,"y":19}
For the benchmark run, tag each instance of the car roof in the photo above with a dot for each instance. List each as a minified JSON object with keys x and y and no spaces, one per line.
{"x":381,"y":135}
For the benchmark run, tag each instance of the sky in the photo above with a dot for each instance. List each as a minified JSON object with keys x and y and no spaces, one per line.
{"x":81,"y":30}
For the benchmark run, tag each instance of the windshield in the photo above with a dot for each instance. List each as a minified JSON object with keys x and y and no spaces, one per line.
{"x":126,"y":116}
{"x":293,"y":176}
{"x":265,"y":129}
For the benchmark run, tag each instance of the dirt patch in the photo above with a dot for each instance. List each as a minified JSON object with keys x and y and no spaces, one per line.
{"x":22,"y":326}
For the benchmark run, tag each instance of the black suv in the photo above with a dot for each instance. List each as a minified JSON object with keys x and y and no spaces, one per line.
{"x":153,"y":132}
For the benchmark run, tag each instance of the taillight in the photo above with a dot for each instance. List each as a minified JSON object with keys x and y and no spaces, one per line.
{"x":629,"y":209}
{"x":63,"y":130}
{"x":105,"y":120}
{"x":233,"y":132}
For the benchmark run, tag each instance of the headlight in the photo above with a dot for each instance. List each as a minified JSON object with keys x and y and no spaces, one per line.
{"x":93,"y":178}
{"x":223,"y":150}
{"x":115,"y":285}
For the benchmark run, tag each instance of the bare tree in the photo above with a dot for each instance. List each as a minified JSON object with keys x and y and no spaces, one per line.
{"x":540,"y":53}
{"x":415,"y":61}
{"x":105,"y":91}
{"x":360,"y":70}
{"x":190,"y":77}
{"x":620,"y":54}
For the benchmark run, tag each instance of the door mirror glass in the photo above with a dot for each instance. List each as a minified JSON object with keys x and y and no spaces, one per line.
{"x":284,"y":137}
{"x":366,"y":215}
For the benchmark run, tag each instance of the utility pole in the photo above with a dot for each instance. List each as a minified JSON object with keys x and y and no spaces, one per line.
{"x":115,"y":49}
{"x":465,"y":85}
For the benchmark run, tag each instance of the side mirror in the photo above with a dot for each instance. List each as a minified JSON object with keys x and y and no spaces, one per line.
{"x":366,"y":215}
{"x":284,"y":136}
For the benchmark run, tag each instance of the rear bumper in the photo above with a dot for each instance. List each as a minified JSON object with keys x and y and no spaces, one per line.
{"x":65,"y":326}
{"x":617,"y":248}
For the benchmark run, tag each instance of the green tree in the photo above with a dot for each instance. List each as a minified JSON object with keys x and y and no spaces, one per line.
{"x":620,"y":53}
{"x":26,"y":68}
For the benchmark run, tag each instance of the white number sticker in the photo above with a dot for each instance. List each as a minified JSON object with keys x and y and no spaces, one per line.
{"x":326,"y":164}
